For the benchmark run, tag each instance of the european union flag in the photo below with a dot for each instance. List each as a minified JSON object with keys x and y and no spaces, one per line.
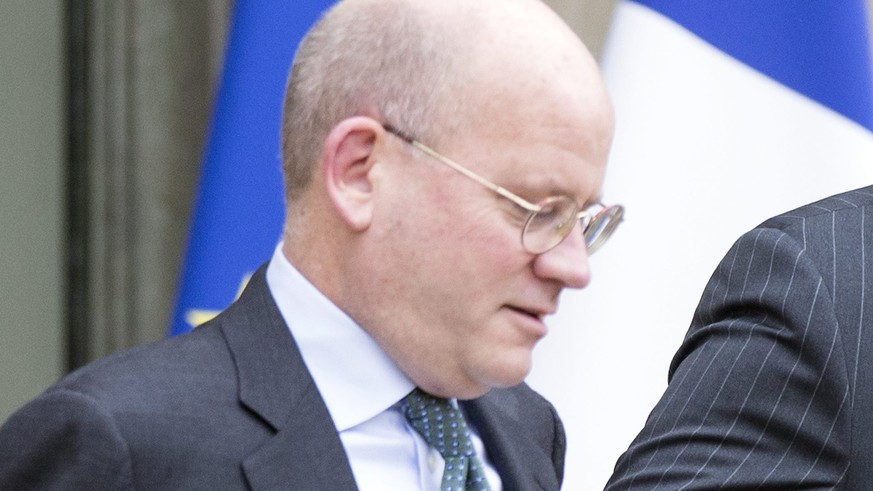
{"x":239,"y":209}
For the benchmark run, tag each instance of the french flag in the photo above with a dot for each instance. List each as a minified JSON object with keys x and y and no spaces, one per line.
{"x":728,"y":112}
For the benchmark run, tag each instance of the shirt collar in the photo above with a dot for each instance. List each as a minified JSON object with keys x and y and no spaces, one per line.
{"x":354,"y":376}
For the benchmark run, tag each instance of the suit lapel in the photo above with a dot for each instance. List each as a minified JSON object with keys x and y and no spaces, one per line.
{"x":274,"y":384}
{"x":521,"y":463}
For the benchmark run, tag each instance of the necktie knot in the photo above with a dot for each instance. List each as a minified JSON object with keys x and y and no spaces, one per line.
{"x":440,"y":423}
{"x":443,"y":427}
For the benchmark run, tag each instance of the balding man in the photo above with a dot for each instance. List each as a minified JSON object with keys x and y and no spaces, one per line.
{"x":443,"y":164}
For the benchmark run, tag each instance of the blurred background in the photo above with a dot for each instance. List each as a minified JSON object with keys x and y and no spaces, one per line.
{"x":104,"y":112}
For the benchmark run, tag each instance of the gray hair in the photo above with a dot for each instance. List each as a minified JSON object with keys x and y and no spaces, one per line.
{"x":384,"y":59}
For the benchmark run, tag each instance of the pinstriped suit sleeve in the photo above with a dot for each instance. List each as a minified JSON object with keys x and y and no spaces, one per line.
{"x":759,"y":393}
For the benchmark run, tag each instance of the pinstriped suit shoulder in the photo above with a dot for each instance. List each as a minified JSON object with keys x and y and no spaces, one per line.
{"x":771,"y":388}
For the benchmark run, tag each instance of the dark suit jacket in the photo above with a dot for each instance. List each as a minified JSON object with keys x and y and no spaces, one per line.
{"x":231,"y":406}
{"x":772,"y":386}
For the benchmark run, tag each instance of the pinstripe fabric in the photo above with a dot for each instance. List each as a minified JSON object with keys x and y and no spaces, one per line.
{"x":771,"y":388}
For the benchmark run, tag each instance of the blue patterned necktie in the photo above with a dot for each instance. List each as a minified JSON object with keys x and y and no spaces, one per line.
{"x":443,"y":427}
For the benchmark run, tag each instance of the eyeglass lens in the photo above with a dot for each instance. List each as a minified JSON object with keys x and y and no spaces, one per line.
{"x":555,"y":219}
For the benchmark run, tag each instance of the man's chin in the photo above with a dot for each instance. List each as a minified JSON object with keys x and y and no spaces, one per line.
{"x":511,"y":374}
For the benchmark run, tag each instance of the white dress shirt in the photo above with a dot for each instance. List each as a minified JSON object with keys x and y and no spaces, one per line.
{"x":361,"y":387}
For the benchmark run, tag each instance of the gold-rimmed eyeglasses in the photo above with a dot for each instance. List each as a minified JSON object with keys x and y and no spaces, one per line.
{"x":551,"y":220}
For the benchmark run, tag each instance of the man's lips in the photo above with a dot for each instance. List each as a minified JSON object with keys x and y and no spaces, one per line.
{"x":537,"y":313}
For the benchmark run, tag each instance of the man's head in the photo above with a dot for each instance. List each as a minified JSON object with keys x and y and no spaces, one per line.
{"x":430,"y":262}
{"x":374,"y":58}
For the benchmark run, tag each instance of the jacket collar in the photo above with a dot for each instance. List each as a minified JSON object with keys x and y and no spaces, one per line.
{"x":520,"y":461}
{"x":275,"y":385}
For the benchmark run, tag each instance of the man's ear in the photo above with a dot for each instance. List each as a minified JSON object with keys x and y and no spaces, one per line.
{"x":346,"y":162}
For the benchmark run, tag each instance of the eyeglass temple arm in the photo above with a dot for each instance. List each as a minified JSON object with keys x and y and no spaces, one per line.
{"x":463,"y":170}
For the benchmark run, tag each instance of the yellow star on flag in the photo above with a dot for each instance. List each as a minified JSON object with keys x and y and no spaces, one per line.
{"x":196,"y":317}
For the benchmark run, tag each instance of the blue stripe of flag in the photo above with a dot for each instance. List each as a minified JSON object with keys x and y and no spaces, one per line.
{"x":239,"y":210}
{"x":818,"y":48}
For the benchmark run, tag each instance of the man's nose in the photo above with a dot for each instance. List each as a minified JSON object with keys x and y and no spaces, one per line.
{"x":567,"y":262}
